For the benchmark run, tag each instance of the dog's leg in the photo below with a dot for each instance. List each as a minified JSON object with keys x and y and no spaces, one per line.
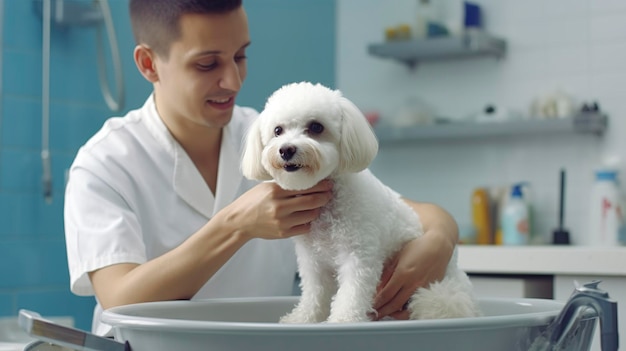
{"x":318,"y":287}
{"x":357,"y":277}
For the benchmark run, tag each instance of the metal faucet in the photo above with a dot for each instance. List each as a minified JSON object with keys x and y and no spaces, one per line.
{"x":584,"y":297}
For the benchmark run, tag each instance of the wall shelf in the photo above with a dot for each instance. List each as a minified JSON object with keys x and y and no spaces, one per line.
{"x":585,"y":123}
{"x":473,"y":43}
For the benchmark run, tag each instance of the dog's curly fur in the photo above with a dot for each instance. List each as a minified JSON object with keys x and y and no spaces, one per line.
{"x":308,"y":133}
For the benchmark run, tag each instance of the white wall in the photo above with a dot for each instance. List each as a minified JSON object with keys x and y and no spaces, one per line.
{"x":578,"y":46}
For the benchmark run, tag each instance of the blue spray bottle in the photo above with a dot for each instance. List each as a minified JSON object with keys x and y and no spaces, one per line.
{"x":514,"y":220}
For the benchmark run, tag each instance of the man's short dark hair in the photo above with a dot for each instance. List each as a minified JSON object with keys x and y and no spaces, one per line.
{"x":156,"y":23}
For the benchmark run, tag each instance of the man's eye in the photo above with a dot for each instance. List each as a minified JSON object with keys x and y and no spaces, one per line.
{"x":316,"y":128}
{"x":207,"y":67}
{"x":278,"y":131}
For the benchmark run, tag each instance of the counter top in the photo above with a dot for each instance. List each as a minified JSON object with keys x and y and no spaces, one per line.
{"x":561,"y":260}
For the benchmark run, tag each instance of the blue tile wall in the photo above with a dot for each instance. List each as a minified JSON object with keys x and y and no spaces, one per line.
{"x":21,"y":122}
{"x":292,"y":40}
{"x":289,"y":44}
{"x":6,"y":304}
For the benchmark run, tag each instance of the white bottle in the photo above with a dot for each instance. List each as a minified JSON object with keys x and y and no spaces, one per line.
{"x":605,"y":214}
{"x":514,"y":221}
{"x":428,"y":13}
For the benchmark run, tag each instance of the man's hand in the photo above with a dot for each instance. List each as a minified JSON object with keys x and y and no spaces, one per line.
{"x":418,"y":264}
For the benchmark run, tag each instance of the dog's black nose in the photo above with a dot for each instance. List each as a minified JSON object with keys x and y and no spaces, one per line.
{"x":287,"y":152}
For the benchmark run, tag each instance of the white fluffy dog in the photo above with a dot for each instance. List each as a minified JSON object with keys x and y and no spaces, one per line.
{"x":308,"y":133}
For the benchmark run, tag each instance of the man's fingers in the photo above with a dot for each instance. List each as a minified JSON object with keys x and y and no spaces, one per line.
{"x":384,"y":278}
{"x":396,"y":303}
{"x":386,"y":294}
{"x":305,"y":202}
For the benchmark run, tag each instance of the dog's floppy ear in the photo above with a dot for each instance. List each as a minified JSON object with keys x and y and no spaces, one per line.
{"x":358,"y":141}
{"x":251,"y":165}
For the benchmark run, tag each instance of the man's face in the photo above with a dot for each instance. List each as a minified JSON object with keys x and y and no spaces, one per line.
{"x":198,"y":83}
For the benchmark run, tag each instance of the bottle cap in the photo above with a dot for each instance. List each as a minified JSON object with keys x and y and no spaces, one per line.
{"x":516,"y":190}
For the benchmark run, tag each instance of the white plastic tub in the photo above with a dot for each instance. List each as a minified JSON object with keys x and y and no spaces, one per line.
{"x":251,"y":324}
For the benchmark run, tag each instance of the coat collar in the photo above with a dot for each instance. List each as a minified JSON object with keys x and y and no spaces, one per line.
{"x":187,"y":180}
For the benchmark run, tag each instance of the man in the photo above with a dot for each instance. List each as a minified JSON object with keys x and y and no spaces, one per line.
{"x":156,"y":206}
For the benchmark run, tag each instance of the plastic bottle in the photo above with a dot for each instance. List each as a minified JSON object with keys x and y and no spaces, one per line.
{"x":482,"y":217}
{"x":428,"y":16}
{"x":498,"y":194}
{"x":606,"y":220}
{"x":514,"y":221}
{"x":420,"y":28}
{"x":533,"y":238}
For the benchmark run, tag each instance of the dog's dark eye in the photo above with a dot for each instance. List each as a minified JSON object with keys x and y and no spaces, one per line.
{"x":316,"y":128}
{"x":278,"y":131}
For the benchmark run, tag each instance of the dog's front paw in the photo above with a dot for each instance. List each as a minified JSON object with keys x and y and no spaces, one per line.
{"x":348,"y":318}
{"x":298,"y":316}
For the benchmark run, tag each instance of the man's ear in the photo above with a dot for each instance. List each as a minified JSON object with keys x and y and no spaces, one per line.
{"x":144,"y":59}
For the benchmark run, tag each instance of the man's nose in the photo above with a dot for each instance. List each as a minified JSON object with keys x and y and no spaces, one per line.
{"x":231,"y":79}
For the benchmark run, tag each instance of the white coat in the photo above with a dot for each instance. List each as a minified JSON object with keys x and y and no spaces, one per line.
{"x":134,"y":194}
